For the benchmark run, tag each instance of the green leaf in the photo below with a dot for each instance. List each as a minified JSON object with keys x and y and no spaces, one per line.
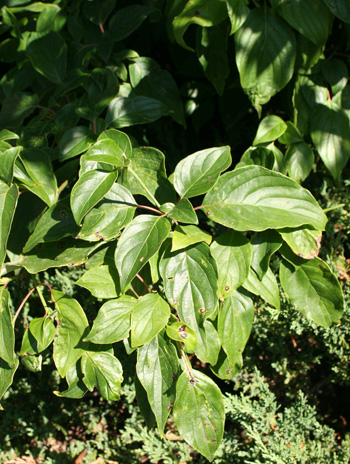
{"x":66,"y":252}
{"x":105,"y":151}
{"x":146,"y":176}
{"x":109,"y":216}
{"x":33,"y":169}
{"x":75,"y":141}
{"x":55,"y":224}
{"x":143,"y":404}
{"x":205,"y":13}
{"x":128,"y":19}
{"x":101,"y":281}
{"x":17,"y":107}
{"x":103,"y":371}
{"x":340,"y":8}
{"x":235,"y":322}
{"x":223,"y":369}
{"x":71,"y":329}
{"x":299,"y":160}
{"x":6,"y":376}
{"x":181,"y":332}
{"x":237,"y":12}
{"x":199,"y":413}
{"x":113,"y":321}
{"x":267,"y":287}
{"x":251,"y":192}
{"x":260,"y":156}
{"x":183,"y":212}
{"x":157,"y":368}
{"x":233,"y":254}
{"x":51,"y":18}
{"x":140,"y":240}
{"x":8,"y":135}
{"x":264,"y":245}
{"x":291,"y":135}
{"x":43,"y":330}
{"x":184,"y":236}
{"x":313,"y":289}
{"x":90,"y":188}
{"x":7,"y":163}
{"x":128,"y":111}
{"x":329,"y":130}
{"x":48,"y":55}
{"x":309,"y":17}
{"x":304,"y":242}
{"x":265,"y":54}
{"x":197,"y":174}
{"x":270,"y":129}
{"x":149,"y":80}
{"x":120,"y":139}
{"x":8,"y":201}
{"x":76,"y":387}
{"x":32,"y":363}
{"x":7,"y":334}
{"x":149,"y":316}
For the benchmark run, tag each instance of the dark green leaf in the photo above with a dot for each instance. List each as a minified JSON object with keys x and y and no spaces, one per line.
{"x":76,"y":386}
{"x":17,"y":107}
{"x":6,"y":376}
{"x":223,"y":369}
{"x":113,"y":321}
{"x":157,"y":368}
{"x":149,"y":316}
{"x":101,"y":281}
{"x":105,"y":151}
{"x":340,"y":8}
{"x":7,"y":162}
{"x":199,"y":413}
{"x":237,"y":12}
{"x":75,"y":141}
{"x":43,"y":330}
{"x":121,"y":139}
{"x":128,"y":111}
{"x":251,"y":192}
{"x":140,"y":240}
{"x":7,"y":334}
{"x":291,"y":135}
{"x":128,"y":19}
{"x":8,"y":201}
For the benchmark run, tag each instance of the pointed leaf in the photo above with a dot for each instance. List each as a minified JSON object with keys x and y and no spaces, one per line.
{"x":183,"y":212}
{"x":237,"y":12}
{"x":113,"y":321}
{"x":7,"y":163}
{"x":128,"y":19}
{"x":7,"y":334}
{"x":299,"y":160}
{"x":157,"y":368}
{"x":105,"y":151}
{"x":304,"y":242}
{"x":264,"y":245}
{"x":149,"y":316}
{"x":184,"y":236}
{"x":199,"y":413}
{"x":6,"y":376}
{"x":270,"y":129}
{"x":76,"y":386}
{"x":8,"y":201}
{"x":140,"y":240}
{"x":43,"y":330}
{"x":251,"y":192}
{"x":91,"y":187}
{"x":267,"y":287}
{"x":75,"y":141}
{"x":313,"y":289}
{"x":233,"y":254}
{"x":235,"y":322}
{"x":101,"y":281}
{"x":71,"y":329}
{"x":103,"y":371}
{"x":120,"y":138}
{"x":128,"y":111}
{"x":265,"y":54}
{"x":198,"y":173}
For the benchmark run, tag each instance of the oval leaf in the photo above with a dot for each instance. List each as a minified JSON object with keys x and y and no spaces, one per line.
{"x":270,"y":128}
{"x":101,"y":281}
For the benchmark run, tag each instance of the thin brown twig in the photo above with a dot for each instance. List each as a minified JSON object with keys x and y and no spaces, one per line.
{"x":144,"y":283}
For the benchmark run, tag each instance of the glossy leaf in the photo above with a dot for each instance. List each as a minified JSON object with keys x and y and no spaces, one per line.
{"x":157,"y":368}
{"x":105,"y":151}
{"x":184,"y":236}
{"x":265,"y":54}
{"x":181,"y":332}
{"x":260,"y":156}
{"x":264,"y":245}
{"x":48,"y":54}
{"x":34,"y":171}
{"x":6,"y":134}
{"x":309,"y":17}
{"x":237,"y":12}
{"x":197,"y":174}
{"x":270,"y":129}
{"x":240,"y":196}
{"x":341,"y":9}
{"x":267,"y":287}
{"x":76,"y":387}
{"x":128,"y":19}
{"x":113,"y":321}
{"x":75,"y":141}
{"x":183,"y":212}
{"x":128,"y":111}
{"x":146,"y":176}
{"x":101,"y":281}
{"x":120,"y":139}
{"x":71,"y":329}
{"x":148,"y":318}
{"x":299,"y":160}
{"x":313,"y":289}
{"x":6,"y":377}
{"x":291,"y":134}
{"x":304,"y":242}
{"x":8,"y":200}
{"x":235,"y":322}
{"x":55,"y":224}
{"x":329,"y":129}
{"x":140,"y":240}
{"x":109,"y":216}
{"x":199,"y":413}
{"x":7,"y":334}
{"x":43,"y":330}
{"x":90,"y":188}
{"x":7,"y":162}
{"x":233,"y":254}
{"x":102,"y":370}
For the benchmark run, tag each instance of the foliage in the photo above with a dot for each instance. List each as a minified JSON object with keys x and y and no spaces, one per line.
{"x":177,"y":260}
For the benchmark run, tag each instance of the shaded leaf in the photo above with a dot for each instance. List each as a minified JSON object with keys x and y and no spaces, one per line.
{"x":8,"y":201}
{"x":264,"y":245}
{"x":299,"y":161}
{"x":184,"y":236}
{"x":6,"y":376}
{"x":128,"y":19}
{"x":304,"y":242}
{"x":7,"y":163}
{"x":76,"y":386}
{"x":7,"y":334}
{"x":75,"y":141}
{"x":267,"y":287}
{"x":183,"y":212}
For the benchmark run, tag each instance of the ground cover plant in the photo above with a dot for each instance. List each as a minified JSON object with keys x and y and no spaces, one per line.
{"x":241,"y":102}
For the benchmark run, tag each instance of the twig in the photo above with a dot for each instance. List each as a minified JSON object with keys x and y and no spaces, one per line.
{"x":144,"y":283}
